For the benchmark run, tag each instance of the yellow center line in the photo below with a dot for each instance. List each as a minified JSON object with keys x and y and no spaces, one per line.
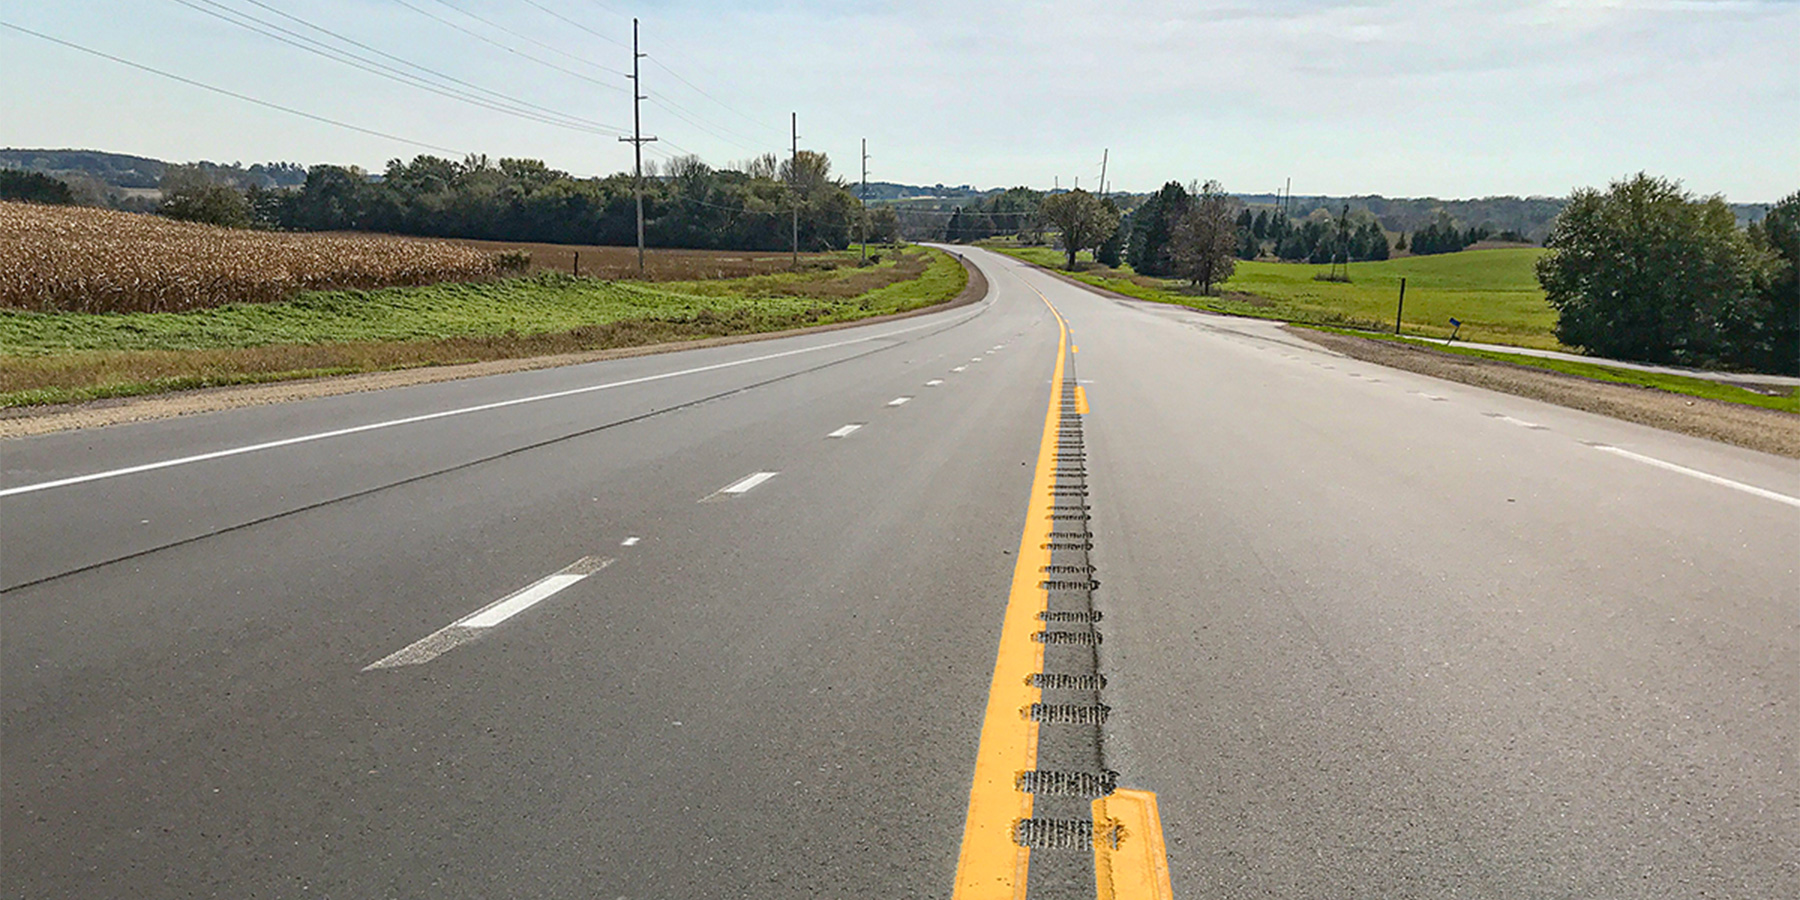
{"x":1130,"y":859}
{"x":992,"y":864}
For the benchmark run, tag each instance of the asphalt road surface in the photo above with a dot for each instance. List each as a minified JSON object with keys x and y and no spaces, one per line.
{"x":671,"y":627}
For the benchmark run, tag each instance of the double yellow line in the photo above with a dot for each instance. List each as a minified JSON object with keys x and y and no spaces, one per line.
{"x":1129,"y":860}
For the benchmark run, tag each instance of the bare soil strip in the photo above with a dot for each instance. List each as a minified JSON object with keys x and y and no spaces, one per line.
{"x":24,"y":421}
{"x":1767,"y":430}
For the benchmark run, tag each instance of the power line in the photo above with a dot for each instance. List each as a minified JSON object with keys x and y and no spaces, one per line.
{"x":669,"y":107}
{"x":219,"y":90}
{"x":450,"y":78}
{"x":677,"y":75}
{"x":516,"y":52}
{"x":702,"y":92}
{"x":551,"y":12}
{"x":531,"y":40}
{"x":301,"y":41}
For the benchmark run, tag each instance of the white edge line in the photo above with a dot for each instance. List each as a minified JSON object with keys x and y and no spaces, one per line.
{"x":1703,"y":476}
{"x":744,"y":484}
{"x":441,"y":414}
{"x":435,"y":644}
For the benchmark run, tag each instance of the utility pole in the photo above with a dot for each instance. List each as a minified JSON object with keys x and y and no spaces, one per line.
{"x":1104,"y":155}
{"x":794,"y":176}
{"x":1287,"y":201}
{"x":862,"y":195}
{"x":637,"y":139}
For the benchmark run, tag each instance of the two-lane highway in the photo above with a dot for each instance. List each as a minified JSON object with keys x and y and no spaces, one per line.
{"x":726,"y":622}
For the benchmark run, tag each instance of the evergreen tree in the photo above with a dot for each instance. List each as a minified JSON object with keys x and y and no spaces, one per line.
{"x":1152,"y":225}
{"x":1260,"y":225}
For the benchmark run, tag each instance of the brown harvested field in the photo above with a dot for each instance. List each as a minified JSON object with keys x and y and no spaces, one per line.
{"x":78,"y":259}
{"x":620,"y":263}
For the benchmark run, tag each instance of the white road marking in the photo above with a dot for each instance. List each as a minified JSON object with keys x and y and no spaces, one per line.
{"x":934,"y":382}
{"x":974,"y":359}
{"x":435,"y":644}
{"x":960,"y":369}
{"x":899,"y":401}
{"x":629,"y":542}
{"x":428,"y":417}
{"x":743,"y":485}
{"x":844,"y":431}
{"x":1519,"y":422}
{"x":1703,"y":476}
{"x":995,"y":347}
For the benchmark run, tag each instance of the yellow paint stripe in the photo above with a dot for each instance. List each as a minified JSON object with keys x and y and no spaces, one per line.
{"x":1081,"y":400}
{"x":1130,"y":861}
{"x":992,"y":865}
{"x":1071,"y":349}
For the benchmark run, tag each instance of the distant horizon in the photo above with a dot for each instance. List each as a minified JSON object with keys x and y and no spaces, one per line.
{"x":1346,"y":97}
{"x":1246,"y":195}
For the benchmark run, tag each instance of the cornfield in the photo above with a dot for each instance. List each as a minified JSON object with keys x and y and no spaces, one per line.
{"x":76,"y":259}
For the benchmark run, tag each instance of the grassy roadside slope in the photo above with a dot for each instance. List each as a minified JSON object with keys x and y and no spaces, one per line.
{"x":1494,"y":292}
{"x":65,"y":357}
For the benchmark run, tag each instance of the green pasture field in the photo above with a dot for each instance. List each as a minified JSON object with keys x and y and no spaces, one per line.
{"x":1494,"y":293}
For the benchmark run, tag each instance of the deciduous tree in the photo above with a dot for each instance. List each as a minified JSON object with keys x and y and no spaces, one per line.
{"x":1205,"y":240}
{"x":1646,"y":271}
{"x":1084,"y":222}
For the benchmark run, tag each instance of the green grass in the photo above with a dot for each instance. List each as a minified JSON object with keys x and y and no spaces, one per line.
{"x":71,"y":357}
{"x":1494,"y":292}
{"x":539,"y":304}
{"x":1675,"y":384}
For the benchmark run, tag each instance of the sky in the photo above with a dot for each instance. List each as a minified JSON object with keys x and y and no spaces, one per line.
{"x":1404,"y":99}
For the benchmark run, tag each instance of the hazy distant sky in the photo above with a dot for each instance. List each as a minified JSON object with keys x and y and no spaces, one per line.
{"x":1404,"y":98}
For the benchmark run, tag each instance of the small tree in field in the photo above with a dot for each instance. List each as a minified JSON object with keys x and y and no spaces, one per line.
{"x":1084,"y":221}
{"x":1205,"y":241}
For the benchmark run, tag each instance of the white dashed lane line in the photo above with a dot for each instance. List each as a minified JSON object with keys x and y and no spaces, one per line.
{"x":960,"y":369}
{"x":934,"y":382}
{"x":1519,"y":422}
{"x":462,"y":630}
{"x":845,"y":431}
{"x":743,"y":485}
{"x":899,"y":401}
{"x":629,"y":542}
{"x":1696,"y":473}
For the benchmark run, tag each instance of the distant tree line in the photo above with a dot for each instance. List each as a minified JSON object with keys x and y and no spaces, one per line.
{"x":34,"y":187}
{"x":688,"y":204}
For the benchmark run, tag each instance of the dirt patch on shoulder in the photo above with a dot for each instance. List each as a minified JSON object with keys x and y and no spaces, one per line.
{"x":27,"y":421}
{"x":1767,"y":430}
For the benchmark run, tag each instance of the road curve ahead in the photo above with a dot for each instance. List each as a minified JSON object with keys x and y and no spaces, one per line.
{"x":1051,"y":596}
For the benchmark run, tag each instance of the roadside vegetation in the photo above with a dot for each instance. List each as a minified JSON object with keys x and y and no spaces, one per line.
{"x":65,"y":357}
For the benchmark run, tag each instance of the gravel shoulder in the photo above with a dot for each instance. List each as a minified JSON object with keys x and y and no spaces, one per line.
{"x":1768,"y":430}
{"x":26,"y":421}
